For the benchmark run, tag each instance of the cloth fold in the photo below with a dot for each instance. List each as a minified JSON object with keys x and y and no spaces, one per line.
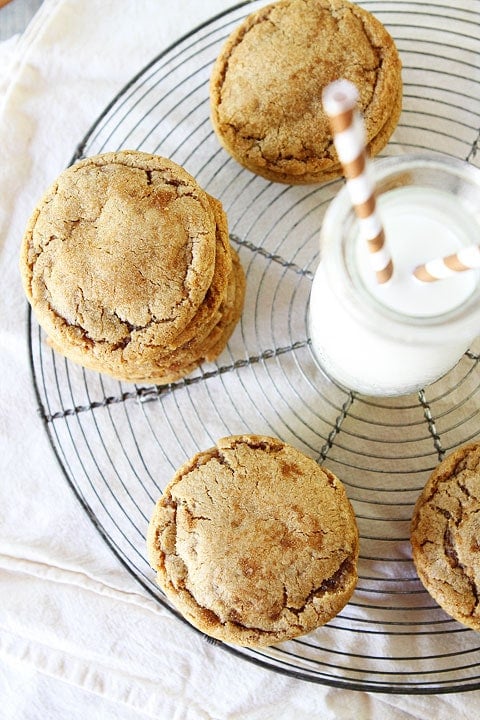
{"x":79,"y":637}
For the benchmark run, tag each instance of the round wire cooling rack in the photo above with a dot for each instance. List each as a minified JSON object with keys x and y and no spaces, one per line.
{"x":119,"y":444}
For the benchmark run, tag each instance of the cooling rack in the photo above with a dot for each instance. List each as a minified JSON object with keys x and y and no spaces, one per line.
{"x":119,"y":444}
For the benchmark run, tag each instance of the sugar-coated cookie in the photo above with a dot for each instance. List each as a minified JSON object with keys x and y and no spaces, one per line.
{"x":254,"y":542}
{"x":266,"y":86}
{"x":445,"y":535}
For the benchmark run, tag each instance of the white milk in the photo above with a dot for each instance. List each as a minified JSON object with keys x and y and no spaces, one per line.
{"x":421,"y":224}
{"x":395,"y":338}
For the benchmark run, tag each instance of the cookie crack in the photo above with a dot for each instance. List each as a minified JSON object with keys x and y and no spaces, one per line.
{"x":264,"y":445}
{"x":191,"y":515}
{"x":328,"y":585}
{"x":454,"y":562}
{"x":450,"y":549}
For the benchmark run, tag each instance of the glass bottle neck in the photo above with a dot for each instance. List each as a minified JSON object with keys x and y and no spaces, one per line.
{"x":424,"y":216}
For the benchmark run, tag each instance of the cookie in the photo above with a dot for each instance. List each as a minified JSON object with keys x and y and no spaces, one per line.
{"x":445,"y":535}
{"x":125,"y":259}
{"x":266,"y":86}
{"x":253,"y":542}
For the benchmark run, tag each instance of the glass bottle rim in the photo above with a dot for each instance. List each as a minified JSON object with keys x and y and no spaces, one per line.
{"x":432,"y":170}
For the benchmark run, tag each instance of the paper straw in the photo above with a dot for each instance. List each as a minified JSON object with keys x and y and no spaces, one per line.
{"x":467,"y":258}
{"x":340,"y":104}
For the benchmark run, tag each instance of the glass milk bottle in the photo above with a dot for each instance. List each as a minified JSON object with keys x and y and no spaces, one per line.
{"x":395,"y":338}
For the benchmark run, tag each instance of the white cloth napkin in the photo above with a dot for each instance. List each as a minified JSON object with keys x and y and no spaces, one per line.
{"x":79,"y":637}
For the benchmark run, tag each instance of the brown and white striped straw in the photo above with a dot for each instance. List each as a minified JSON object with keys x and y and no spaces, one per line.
{"x":467,"y":258}
{"x":340,"y":104}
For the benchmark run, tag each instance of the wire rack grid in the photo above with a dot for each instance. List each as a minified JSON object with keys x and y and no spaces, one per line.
{"x":119,"y":444}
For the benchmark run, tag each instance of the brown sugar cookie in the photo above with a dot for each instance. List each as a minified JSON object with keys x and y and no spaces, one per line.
{"x":125,"y":259}
{"x":253,"y":542}
{"x":445,"y":535}
{"x":266,"y":86}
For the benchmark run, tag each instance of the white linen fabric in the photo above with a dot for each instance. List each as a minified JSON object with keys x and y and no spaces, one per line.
{"x":78,"y":636}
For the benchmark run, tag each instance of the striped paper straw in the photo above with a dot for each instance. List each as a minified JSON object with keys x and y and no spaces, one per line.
{"x":467,"y":258}
{"x":340,"y":104}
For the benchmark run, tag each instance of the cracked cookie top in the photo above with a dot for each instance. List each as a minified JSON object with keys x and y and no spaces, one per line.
{"x":266,"y":86}
{"x":254,"y":542}
{"x":445,"y":535}
{"x":120,"y":243}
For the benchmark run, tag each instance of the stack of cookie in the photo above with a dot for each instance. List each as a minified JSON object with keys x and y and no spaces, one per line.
{"x":127,"y":264}
{"x":266,"y":86}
